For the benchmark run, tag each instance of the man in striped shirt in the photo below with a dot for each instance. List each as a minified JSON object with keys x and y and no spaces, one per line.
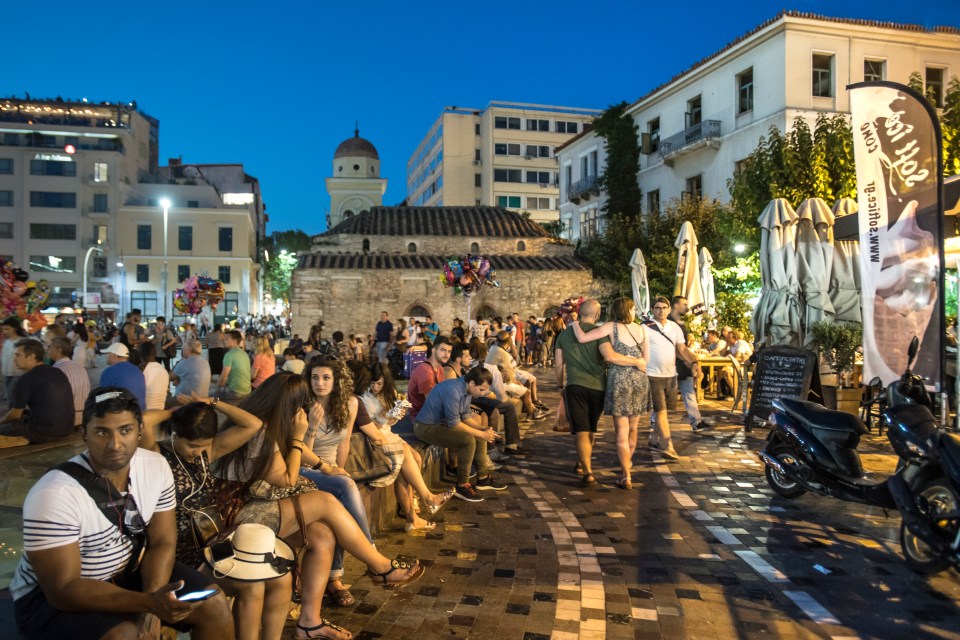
{"x":80,"y":577}
{"x":60,"y":353}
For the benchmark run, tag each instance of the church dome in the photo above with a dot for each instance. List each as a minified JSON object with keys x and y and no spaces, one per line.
{"x":356,"y":147}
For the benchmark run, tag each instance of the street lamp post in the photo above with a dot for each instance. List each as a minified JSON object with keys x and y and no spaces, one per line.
{"x":86,"y":261}
{"x":165,"y":203}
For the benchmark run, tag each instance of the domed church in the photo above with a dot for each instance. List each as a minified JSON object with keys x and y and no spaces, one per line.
{"x":356,"y":185}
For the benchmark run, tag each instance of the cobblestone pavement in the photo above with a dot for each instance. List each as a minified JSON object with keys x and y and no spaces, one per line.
{"x":700,"y":548}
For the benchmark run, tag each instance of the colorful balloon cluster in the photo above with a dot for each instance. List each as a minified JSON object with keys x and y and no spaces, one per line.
{"x":197,"y":292}
{"x":21,"y":297}
{"x":468,"y":274}
{"x":569,"y":306}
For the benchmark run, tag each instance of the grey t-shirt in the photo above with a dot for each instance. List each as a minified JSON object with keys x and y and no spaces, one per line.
{"x":194,"y":374}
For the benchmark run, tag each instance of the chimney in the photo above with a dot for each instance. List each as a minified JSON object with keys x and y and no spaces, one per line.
{"x":175,"y":162}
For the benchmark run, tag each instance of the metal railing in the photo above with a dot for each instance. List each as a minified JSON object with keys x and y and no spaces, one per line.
{"x":583,"y":187}
{"x":705,"y":130}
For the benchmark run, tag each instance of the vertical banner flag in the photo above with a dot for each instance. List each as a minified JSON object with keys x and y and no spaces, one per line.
{"x":896,"y":143}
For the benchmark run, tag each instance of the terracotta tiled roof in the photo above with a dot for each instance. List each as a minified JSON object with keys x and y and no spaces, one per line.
{"x":804,"y":15}
{"x":433,"y":263}
{"x":481,"y":222}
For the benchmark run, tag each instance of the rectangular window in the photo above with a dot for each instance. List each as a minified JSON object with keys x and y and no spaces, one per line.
{"x":504,"y":122}
{"x":51,"y":231}
{"x":694,"y":113}
{"x":934,"y":92}
{"x":183,"y":272}
{"x":538,"y":203}
{"x":6,"y":166}
{"x":653,"y":201}
{"x":653,"y":129}
{"x":99,"y":234}
{"x":745,"y":91}
{"x":6,"y":230}
{"x":538,"y":125}
{"x":223,"y":275}
{"x":56,"y":264}
{"x":740,"y":166}
{"x":509,"y":202}
{"x":874,"y":70}
{"x":6,"y":198}
{"x":226,"y":239}
{"x":507,"y":175}
{"x":537,"y":151}
{"x":99,"y":266}
{"x":506,"y":149}
{"x":185,"y":240}
{"x":694,"y":187}
{"x":538,"y":177}
{"x":477,"y":180}
{"x":146,"y":301}
{"x":568,"y":176}
{"x":144,"y":236}
{"x":100,"y":203}
{"x":11,"y":139}
{"x":52,"y":168}
{"x":567,"y":127}
{"x":193,"y":204}
{"x":822,"y":75}
{"x":476,"y":155}
{"x":143,"y":273}
{"x":476,"y":129}
{"x":53,"y":199}
{"x":100,"y":172}
{"x":231,"y":304}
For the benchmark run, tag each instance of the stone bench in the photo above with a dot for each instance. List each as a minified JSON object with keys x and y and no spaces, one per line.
{"x":381,"y":502}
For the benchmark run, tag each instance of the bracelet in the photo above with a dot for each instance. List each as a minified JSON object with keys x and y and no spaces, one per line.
{"x":318,"y":466}
{"x":298,"y":440}
{"x":214,"y":401}
{"x":297,"y":447}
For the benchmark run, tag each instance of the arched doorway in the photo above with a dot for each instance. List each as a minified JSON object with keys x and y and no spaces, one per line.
{"x":417,"y":311}
{"x":485,"y":311}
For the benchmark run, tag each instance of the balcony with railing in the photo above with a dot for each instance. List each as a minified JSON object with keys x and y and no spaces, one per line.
{"x":581,"y":189}
{"x":705,"y":134}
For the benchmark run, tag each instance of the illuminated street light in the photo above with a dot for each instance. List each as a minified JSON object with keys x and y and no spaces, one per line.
{"x":739,"y":247}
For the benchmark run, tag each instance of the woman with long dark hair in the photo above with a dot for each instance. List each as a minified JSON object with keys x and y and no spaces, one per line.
{"x":268,"y":466}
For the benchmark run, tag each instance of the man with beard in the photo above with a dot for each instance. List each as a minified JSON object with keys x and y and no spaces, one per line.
{"x":424,"y":377}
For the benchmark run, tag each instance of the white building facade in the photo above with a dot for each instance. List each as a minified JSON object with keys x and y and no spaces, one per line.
{"x":581,"y":162}
{"x":503,"y":155}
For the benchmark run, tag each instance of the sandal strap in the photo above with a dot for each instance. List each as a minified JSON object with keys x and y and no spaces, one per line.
{"x":323,"y":623}
{"x":394,"y":565}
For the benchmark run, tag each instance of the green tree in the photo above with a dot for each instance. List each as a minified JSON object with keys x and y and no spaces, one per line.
{"x":619,"y":178}
{"x":282,"y":248}
{"x":950,"y":128}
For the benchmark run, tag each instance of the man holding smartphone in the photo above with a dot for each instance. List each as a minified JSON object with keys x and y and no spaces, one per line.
{"x":99,"y":535}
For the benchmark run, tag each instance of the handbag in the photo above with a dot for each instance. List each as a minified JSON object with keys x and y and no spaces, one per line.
{"x":263,"y":490}
{"x":366,"y":461}
{"x":206,"y":523}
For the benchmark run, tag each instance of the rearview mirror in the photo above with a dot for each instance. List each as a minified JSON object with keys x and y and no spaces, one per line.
{"x":912,"y":351}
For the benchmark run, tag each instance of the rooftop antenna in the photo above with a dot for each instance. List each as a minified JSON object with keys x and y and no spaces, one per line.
{"x":356,"y":131}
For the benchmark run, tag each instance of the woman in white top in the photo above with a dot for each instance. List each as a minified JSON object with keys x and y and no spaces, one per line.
{"x":155,"y":377}
{"x":413,"y":332}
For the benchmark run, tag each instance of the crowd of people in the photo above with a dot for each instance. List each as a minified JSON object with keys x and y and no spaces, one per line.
{"x":235,"y":483}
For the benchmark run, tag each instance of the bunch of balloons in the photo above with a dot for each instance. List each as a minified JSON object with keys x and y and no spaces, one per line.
{"x":21,"y":297}
{"x":197,"y":292}
{"x":468,"y":274}
{"x":569,"y":306}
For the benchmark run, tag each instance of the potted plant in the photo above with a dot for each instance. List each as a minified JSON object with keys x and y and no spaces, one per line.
{"x":837,"y":343}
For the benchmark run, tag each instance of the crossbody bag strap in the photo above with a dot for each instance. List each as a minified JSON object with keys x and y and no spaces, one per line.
{"x":656,"y":326}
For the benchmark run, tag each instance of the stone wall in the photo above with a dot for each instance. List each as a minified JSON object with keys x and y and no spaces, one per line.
{"x":351,"y":300}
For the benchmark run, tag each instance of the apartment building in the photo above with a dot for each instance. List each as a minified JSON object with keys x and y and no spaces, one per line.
{"x":503,"y":155}
{"x":64,"y":165}
{"x":581,"y":161}
{"x":697,"y":127}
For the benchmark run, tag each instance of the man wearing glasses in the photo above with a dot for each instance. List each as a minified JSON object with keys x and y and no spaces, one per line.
{"x":82,"y":575}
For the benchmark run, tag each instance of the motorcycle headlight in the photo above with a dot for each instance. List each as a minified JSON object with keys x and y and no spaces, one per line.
{"x":914,"y":449}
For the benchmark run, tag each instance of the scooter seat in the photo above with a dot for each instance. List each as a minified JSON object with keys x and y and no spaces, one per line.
{"x":950,"y":443}
{"x":815,"y":416}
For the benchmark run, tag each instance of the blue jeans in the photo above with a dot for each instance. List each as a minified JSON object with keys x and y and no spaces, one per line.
{"x":688,"y":391}
{"x":346,"y":491}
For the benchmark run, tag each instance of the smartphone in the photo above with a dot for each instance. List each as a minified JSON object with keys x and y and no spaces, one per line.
{"x":197,"y":596}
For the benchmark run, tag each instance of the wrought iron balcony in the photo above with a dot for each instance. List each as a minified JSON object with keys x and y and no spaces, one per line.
{"x":702,"y":134}
{"x":581,"y":189}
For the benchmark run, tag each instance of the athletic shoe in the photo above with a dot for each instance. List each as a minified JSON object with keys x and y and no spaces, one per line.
{"x":669,"y":454}
{"x":468,"y":493}
{"x":496,"y":455}
{"x":518,"y":451}
{"x":538,"y":414}
{"x":702,"y":426}
{"x":490,"y":483}
{"x":493,"y":465}
{"x":543,"y":407}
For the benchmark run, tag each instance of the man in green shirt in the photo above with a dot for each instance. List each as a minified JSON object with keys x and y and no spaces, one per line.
{"x":234,"y":380}
{"x":581,"y":373}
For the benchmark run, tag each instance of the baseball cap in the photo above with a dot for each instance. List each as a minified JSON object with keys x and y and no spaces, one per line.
{"x":118,"y":349}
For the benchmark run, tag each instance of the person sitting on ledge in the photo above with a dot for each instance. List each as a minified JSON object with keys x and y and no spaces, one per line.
{"x":41,"y":405}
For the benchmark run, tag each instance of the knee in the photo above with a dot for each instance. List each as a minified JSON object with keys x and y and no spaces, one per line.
{"x":319,"y":534}
{"x":216,"y":611}
{"x":123,"y":631}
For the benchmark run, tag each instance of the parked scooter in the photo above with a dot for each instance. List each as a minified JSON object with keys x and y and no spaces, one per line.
{"x":811,"y":448}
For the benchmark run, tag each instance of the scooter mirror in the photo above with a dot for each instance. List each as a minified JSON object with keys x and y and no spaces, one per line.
{"x":876,"y":383}
{"x":912,"y":351}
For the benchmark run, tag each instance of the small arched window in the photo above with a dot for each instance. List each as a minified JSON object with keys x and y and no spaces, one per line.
{"x":412,"y":247}
{"x":347,"y":214}
{"x":521,"y":246}
{"x":474,"y":247}
{"x":366,"y":245}
{"x":364,"y":211}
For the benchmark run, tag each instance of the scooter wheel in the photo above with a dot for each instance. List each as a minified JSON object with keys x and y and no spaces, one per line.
{"x":939,"y":498}
{"x":783,"y":485}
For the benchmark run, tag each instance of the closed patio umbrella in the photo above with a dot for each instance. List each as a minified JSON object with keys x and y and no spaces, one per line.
{"x":814,"y":262}
{"x":844,"y":288}
{"x":638,"y":283}
{"x":706,"y":282}
{"x":776,"y":318}
{"x":688,"y":269}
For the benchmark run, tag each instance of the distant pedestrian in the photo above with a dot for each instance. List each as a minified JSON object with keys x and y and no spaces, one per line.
{"x":686,"y":380}
{"x":384,"y":336}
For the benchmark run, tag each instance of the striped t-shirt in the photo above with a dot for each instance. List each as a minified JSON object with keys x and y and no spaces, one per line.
{"x":58,"y":511}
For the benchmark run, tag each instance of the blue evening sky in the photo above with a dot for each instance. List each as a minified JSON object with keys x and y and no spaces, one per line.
{"x":277,"y":85}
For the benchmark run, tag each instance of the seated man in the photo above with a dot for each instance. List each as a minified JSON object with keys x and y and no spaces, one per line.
{"x":41,"y":406}
{"x":192,"y":374}
{"x":120,"y":372}
{"x":291,"y":363}
{"x":500,"y":355}
{"x":60,"y":353}
{"x":498,"y":399}
{"x":446,"y":420}
{"x":81,"y":575}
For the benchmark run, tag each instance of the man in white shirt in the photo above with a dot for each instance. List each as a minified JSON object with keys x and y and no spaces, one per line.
{"x":666,"y":345}
{"x":59,"y":353}
{"x":81,"y":575}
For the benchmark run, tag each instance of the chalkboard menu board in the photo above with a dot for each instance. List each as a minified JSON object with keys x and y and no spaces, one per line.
{"x":781,"y":372}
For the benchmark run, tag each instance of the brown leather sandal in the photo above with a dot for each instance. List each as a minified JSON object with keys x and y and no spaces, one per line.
{"x":342,"y":597}
{"x":398,"y":564}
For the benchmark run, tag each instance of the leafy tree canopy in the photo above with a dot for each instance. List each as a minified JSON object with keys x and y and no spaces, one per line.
{"x":619,"y":179}
{"x":282,"y":248}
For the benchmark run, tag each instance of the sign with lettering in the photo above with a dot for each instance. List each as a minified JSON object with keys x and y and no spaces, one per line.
{"x":781,"y":372}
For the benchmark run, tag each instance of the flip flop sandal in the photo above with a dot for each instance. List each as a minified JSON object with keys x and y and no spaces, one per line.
{"x":623,"y":483}
{"x":588,"y":480}
{"x":446,"y":495}
{"x":578,"y":469}
{"x":323,"y":623}
{"x":342,"y":597}
{"x":427,"y":526}
{"x":394,"y":565}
